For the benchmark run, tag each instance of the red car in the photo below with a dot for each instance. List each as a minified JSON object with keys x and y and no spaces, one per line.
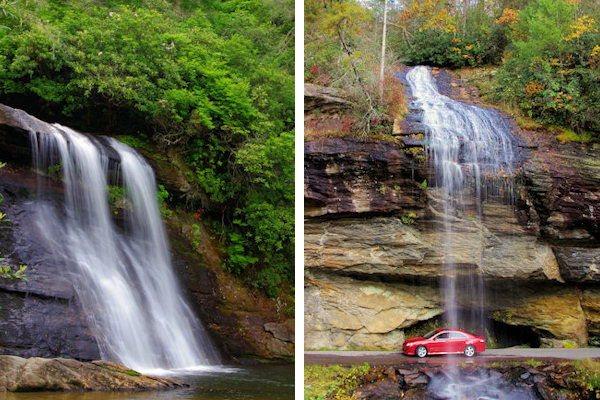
{"x":444,"y":341}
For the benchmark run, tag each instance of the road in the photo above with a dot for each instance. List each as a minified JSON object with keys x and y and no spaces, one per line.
{"x":492,"y":355}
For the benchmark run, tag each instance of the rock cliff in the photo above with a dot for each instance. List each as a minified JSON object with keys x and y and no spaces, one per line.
{"x":373,"y":239}
{"x":43,"y":318}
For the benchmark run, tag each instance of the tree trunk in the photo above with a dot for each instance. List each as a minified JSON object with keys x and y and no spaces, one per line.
{"x":382,"y":67}
{"x":464,"y":24}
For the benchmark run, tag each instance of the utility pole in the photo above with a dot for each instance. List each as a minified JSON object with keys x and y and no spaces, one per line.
{"x":382,"y":67}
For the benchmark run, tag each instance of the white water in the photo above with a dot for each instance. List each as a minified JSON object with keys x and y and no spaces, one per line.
{"x":483,"y":385}
{"x":473,"y":156}
{"x":472,"y":151}
{"x":124,"y":280}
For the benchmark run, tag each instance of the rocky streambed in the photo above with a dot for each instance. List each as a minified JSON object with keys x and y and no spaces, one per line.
{"x":515,"y":381}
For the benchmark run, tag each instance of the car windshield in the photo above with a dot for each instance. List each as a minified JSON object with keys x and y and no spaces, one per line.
{"x":429,"y":334}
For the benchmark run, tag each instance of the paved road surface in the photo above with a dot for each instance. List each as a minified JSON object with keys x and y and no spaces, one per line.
{"x":388,"y":357}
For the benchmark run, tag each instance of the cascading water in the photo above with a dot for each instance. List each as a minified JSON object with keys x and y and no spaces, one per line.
{"x":124,"y":280}
{"x":472,"y":152}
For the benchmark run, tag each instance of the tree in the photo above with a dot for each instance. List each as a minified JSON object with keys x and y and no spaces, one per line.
{"x":551,"y":68}
{"x":382,"y":67}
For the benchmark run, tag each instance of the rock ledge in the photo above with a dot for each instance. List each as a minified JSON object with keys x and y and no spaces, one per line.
{"x":62,"y":374}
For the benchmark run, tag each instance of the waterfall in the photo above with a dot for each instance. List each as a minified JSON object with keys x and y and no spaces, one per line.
{"x":123,"y":276}
{"x":472,"y":152}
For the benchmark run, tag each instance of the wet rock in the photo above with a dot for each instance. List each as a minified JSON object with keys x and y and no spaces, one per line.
{"x":416,"y":379}
{"x":15,"y":128}
{"x":60,"y":374}
{"x":546,"y":392}
{"x":41,"y":317}
{"x":382,"y":390}
{"x":416,"y":394}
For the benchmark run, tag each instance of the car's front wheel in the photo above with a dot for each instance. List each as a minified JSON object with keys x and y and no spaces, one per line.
{"x":470,"y":351}
{"x":421,"y":351}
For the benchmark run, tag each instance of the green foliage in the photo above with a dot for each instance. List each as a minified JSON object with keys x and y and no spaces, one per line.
{"x":585,"y":380}
{"x":7,"y":273}
{"x":7,"y":12}
{"x":342,"y":45}
{"x":533,"y":362}
{"x":115,"y":194}
{"x":421,"y":328}
{"x":567,"y":135}
{"x":194,"y":235}
{"x":332,"y":381}
{"x":410,"y":219}
{"x":503,"y":316}
{"x":163,"y":196}
{"x":444,"y":49}
{"x":55,"y":171}
{"x":552,"y":67}
{"x":133,"y":141}
{"x":212,"y":80}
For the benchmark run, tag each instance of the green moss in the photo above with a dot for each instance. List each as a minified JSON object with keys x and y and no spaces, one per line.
{"x":132,"y":373}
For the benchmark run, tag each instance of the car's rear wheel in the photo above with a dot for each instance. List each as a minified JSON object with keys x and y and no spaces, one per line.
{"x":470,"y":351}
{"x":421,"y":351}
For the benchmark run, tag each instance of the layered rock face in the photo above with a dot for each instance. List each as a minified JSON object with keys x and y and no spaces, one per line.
{"x":374,"y":240}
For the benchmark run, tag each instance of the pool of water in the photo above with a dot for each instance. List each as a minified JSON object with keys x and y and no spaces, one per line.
{"x":271,"y":382}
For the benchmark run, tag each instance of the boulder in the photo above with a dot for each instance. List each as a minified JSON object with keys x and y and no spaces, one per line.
{"x":60,"y":374}
{"x":345,"y":313}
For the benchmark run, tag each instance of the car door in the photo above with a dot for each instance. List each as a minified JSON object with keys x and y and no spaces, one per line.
{"x":440,"y":343}
{"x":457,"y":342}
